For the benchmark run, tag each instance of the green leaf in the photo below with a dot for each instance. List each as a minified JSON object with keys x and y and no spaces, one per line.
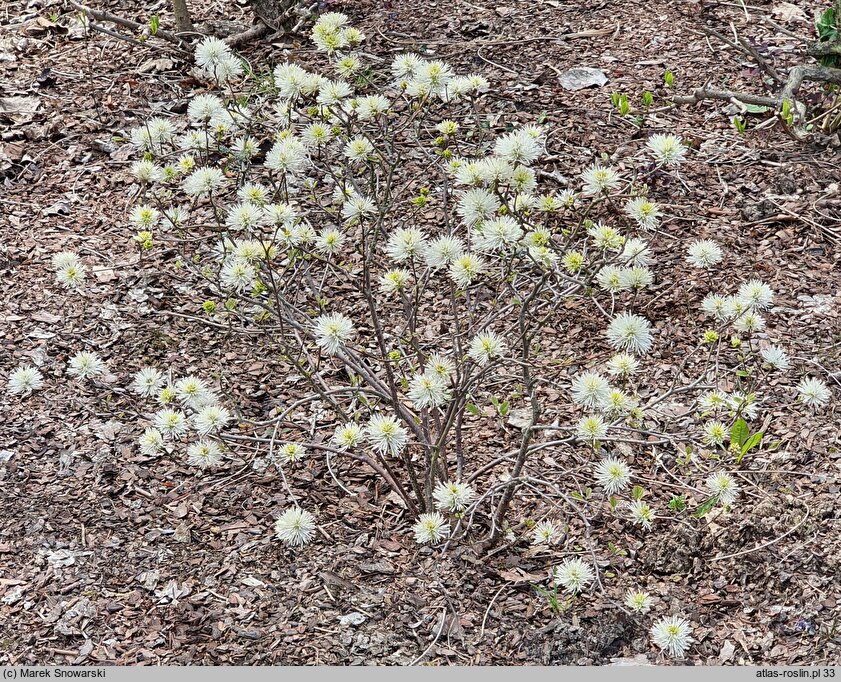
{"x":740,"y":432}
{"x":701,"y":511}
{"x":749,"y":445}
{"x":472,"y":409}
{"x":755,"y":108}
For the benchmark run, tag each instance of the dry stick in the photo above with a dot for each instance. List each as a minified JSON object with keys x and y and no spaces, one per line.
{"x":796,"y":76}
{"x":432,"y":644}
{"x":128,"y":23}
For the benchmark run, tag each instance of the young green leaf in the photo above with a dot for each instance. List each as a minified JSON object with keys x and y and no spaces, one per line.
{"x":704,"y":509}
{"x":739,"y":433}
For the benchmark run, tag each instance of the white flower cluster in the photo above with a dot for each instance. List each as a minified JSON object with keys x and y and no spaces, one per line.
{"x":216,"y":61}
{"x":69,"y":270}
{"x":186,"y":405}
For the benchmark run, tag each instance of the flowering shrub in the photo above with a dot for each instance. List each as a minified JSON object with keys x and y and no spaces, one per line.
{"x":410,"y":269}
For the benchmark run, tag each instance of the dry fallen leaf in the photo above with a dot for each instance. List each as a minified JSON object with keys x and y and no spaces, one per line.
{"x":788,"y":12}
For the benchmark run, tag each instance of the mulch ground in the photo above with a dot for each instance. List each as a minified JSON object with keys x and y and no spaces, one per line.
{"x":107,"y":556}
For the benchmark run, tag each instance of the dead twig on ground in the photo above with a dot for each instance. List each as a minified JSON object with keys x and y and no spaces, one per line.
{"x":99,"y":15}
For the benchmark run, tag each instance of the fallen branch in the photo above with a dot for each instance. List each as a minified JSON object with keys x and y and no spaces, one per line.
{"x":256,"y":31}
{"x":796,"y":76}
{"x":98,"y":15}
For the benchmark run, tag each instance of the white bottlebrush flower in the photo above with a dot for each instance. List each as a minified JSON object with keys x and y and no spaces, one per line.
{"x":428,"y":390}
{"x":348,"y":65}
{"x":743,"y":404}
{"x":590,"y":390}
{"x":713,"y":401}
{"x":72,"y":275}
{"x":371,"y":106}
{"x":24,"y":380}
{"x":813,"y":392}
{"x":638,"y":601}
{"x":144,"y":216}
{"x":574,"y":575}
{"x":330,"y":242}
{"x":452,"y":496}
{"x":317,"y":134}
{"x":646,"y":213}
{"x":358,"y":148}
{"x":641,"y":514}
{"x":290,"y":79}
{"x":545,"y":533}
{"x":485,"y":347}
{"x":672,"y":635}
{"x":295,"y":527}
{"x":440,"y":365}
{"x":635,"y":279}
{"x":722,"y":485}
{"x":668,"y":150}
{"x":204,"y":108}
{"x":86,"y":365}
{"x":591,"y":428}
{"x":203,"y":182}
{"x":618,"y":403}
{"x":192,"y":392}
{"x":465,"y":269}
{"x":395,"y":280}
{"x":357,"y":207}
{"x":405,"y":66}
{"x":613,"y":474}
{"x":333,"y":331}
{"x":332,"y":92}
{"x":631,"y":333}
{"x":288,"y":155}
{"x":442,"y":251}
{"x":704,"y":253}
{"x":204,"y":454}
{"x":749,"y":322}
{"x":715,"y":433}
{"x":171,"y":423}
{"x":623,"y":365}
{"x":430,"y":528}
{"x":518,"y":147}
{"x":146,"y":171}
{"x":756,"y":294}
{"x":237,"y":274}
{"x":279,"y":215}
{"x":347,"y":436}
{"x":598,"y":179}
{"x":211,"y":418}
{"x":148,"y":381}
{"x":386,"y":435}
{"x":605,"y":237}
{"x":245,"y":148}
{"x":715,"y":305}
{"x":64,"y":258}
{"x":151,"y":442}
{"x":609,"y":278}
{"x":154,"y":133}
{"x":497,"y":234}
{"x":776,"y":357}
{"x":244,"y":216}
{"x":476,"y":205}
{"x":636,"y":253}
{"x":290,"y":452}
{"x":406,"y":244}
{"x":733,"y":307}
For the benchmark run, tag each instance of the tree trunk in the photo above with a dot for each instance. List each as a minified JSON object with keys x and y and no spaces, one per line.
{"x":182,"y":15}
